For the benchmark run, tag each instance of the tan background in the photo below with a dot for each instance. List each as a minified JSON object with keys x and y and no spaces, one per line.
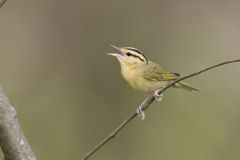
{"x":69,"y":94}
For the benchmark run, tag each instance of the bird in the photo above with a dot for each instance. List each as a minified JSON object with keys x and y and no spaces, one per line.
{"x":144,"y":75}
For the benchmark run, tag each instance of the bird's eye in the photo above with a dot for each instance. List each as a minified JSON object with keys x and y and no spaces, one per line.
{"x":128,"y":54}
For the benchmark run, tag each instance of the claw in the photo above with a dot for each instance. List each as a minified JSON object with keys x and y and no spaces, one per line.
{"x":140,"y":113}
{"x":158,"y":96}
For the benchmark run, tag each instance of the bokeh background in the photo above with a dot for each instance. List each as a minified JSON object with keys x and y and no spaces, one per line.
{"x":69,"y":94}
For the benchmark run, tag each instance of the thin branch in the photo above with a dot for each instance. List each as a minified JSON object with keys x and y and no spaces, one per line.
{"x":197,"y":73}
{"x":12,"y":139}
{"x":2,"y":2}
{"x":145,"y":104}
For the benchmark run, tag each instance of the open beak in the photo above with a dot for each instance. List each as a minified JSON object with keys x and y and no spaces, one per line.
{"x":116,"y":54}
{"x":118,"y":48}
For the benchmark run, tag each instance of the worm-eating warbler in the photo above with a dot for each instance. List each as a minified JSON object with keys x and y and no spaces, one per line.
{"x":144,"y":75}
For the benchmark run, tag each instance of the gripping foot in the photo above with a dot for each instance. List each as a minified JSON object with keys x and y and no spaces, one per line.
{"x":140,"y":113}
{"x":158,"y":96}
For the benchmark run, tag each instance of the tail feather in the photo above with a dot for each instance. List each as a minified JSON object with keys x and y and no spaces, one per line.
{"x":185,"y":86}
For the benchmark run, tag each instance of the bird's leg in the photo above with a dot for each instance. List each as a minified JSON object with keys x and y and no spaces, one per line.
{"x":158,"y":96}
{"x":140,"y":109}
{"x":140,"y":112}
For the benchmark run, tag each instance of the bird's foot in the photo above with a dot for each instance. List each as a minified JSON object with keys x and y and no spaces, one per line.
{"x":140,"y":112}
{"x":158,"y":96}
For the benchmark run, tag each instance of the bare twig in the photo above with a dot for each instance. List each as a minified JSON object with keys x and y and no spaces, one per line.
{"x":145,"y":104}
{"x":2,"y":2}
{"x":12,"y":139}
{"x":197,"y":73}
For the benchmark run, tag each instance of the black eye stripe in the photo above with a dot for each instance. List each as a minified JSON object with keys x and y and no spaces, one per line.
{"x":130,"y":54}
{"x":138,"y":57}
{"x":137,"y":51}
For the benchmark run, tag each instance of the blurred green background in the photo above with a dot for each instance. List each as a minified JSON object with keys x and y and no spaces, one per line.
{"x":69,"y":94}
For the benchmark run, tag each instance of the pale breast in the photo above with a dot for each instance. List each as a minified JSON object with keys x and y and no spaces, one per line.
{"x":134,"y":77}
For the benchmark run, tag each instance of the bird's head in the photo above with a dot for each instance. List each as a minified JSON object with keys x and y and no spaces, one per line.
{"x":129,"y":56}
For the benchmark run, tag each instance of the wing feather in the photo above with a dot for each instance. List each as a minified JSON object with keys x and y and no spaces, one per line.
{"x":154,"y":72}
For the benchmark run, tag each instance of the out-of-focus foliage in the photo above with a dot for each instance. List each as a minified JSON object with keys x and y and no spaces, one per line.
{"x":69,"y":94}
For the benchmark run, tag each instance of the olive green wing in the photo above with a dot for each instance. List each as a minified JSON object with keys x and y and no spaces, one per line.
{"x":154,"y":72}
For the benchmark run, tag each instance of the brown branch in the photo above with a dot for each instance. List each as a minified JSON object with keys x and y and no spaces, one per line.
{"x":2,"y":2}
{"x":145,"y":104}
{"x":12,"y":139}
